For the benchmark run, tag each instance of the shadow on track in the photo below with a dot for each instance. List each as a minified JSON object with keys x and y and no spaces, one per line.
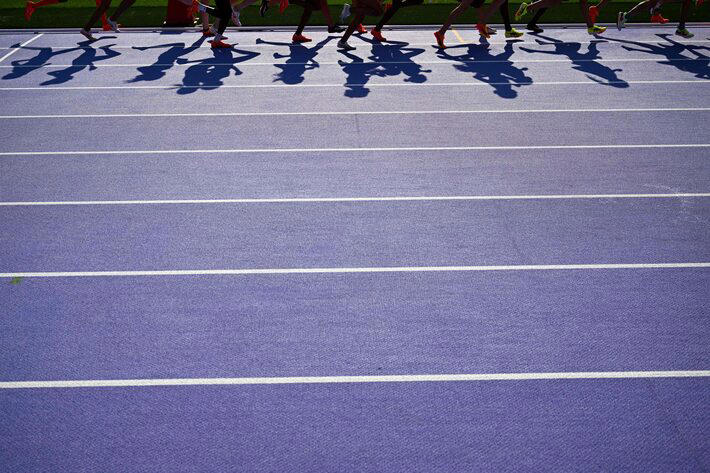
{"x":165,"y":61}
{"x":699,"y":65}
{"x":210,"y":73}
{"x":22,"y":67}
{"x":390,"y":59}
{"x":299,"y":60}
{"x":497,"y":70}
{"x":583,"y":62}
{"x":85,"y":60}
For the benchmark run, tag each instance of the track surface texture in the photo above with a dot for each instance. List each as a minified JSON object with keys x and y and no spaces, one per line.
{"x":493,"y":257}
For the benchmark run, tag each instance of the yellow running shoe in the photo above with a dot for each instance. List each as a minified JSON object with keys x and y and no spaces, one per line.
{"x":513,"y":33}
{"x":595,"y":29}
{"x":522,"y":11}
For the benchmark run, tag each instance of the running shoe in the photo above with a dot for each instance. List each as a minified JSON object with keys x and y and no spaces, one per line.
{"x":343,"y":45}
{"x":491,"y":30}
{"x":522,"y":11}
{"x":658,"y":18}
{"x":263,"y":7}
{"x":440,"y":39}
{"x":513,"y":33}
{"x":360,"y":29}
{"x":534,"y":28}
{"x":684,"y":33}
{"x":29,"y":11}
{"x":377,"y":35}
{"x":620,"y":20}
{"x":299,"y":38}
{"x":87,"y":34}
{"x":207,"y":33}
{"x":483,"y":30}
{"x":219,"y":44}
{"x":596,"y":29}
{"x":593,"y":14}
{"x":345,"y":13}
{"x":113,"y":24}
{"x":335,"y":29}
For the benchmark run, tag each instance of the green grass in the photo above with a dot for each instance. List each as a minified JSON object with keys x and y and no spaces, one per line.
{"x":151,"y":13}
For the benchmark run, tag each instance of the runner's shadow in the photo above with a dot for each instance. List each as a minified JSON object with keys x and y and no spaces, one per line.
{"x":584,"y":62}
{"x":396,"y":58}
{"x":385,"y":60}
{"x":497,"y":70}
{"x":358,"y":73}
{"x":299,"y":60}
{"x":699,"y":65}
{"x":165,"y":61}
{"x":87,"y":59}
{"x":22,"y":67}
{"x":210,"y":73}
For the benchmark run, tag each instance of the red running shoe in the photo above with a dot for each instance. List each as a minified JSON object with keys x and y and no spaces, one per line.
{"x":360,"y":29}
{"x":299,"y":38}
{"x":29,"y":10}
{"x":658,"y":18}
{"x":593,"y":14}
{"x":483,"y":30}
{"x":439,"y":39}
{"x":377,"y":35}
{"x":220,"y":45}
{"x":207,"y":33}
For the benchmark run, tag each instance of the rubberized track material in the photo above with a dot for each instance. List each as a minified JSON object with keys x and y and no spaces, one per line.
{"x":280,"y":257}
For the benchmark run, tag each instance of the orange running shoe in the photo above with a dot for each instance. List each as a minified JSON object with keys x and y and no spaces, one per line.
{"x":360,"y":29}
{"x":483,"y":30}
{"x":299,"y":38}
{"x":207,"y":33}
{"x":440,"y":39}
{"x":220,"y":45}
{"x":658,"y":18}
{"x":593,"y":14}
{"x":29,"y":10}
{"x":377,"y":35}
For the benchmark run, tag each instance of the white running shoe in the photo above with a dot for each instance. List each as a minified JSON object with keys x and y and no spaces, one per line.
{"x":621,"y":20}
{"x":345,"y":13}
{"x":113,"y":25}
{"x":87,"y":34}
{"x":345,"y":46}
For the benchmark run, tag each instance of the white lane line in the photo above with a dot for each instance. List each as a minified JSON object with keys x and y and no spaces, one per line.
{"x":394,"y":269}
{"x":14,"y":50}
{"x":404,"y":378}
{"x":345,"y":112}
{"x":311,"y":86}
{"x":342,"y":63}
{"x":285,"y":200}
{"x":348,"y":150}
